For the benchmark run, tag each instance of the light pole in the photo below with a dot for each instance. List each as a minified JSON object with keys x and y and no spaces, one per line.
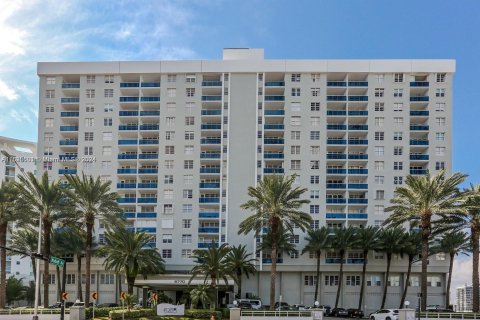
{"x":39,"y":243}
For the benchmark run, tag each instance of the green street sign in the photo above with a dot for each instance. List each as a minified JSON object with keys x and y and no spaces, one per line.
{"x":57,"y":261}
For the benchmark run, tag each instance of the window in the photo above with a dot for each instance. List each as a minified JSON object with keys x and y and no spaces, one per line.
{"x":379,"y":106}
{"x":189,"y":121}
{"x":434,"y":281}
{"x":188,"y":179}
{"x":314,"y":179}
{"x":440,"y":136}
{"x":107,"y":122}
{"x":441,"y":77}
{"x":315,"y":77}
{"x":315,"y":92}
{"x":189,"y":149}
{"x":310,"y":280}
{"x":49,"y":108}
{"x":190,"y":92}
{"x":170,"y":121}
{"x":314,"y":209}
{"x":440,"y":256}
{"x":294,"y":254}
{"x":89,"y":107}
{"x":295,"y":92}
{"x":314,"y":194}
{"x":171,"y":92}
{"x":107,"y":151}
{"x":398,"y":121}
{"x":331,"y":281}
{"x":315,"y":121}
{"x":171,"y":78}
{"x":295,"y":106}
{"x":397,"y":93}
{"x":49,"y":122}
{"x":440,"y":121}
{"x":374,"y":281}
{"x":440,"y":106}
{"x":186,"y":223}
{"x":314,"y":164}
{"x":186,"y":238}
{"x":398,"y":77}
{"x":315,"y":224}
{"x":167,"y":253}
{"x":168,"y":194}
{"x":106,"y":165}
{"x":315,"y":150}
{"x":108,"y":107}
{"x":91,"y":79}
{"x":294,"y":164}
{"x":189,"y":135}
{"x":397,"y":151}
{"x":379,"y":195}
{"x":169,"y":149}
{"x":440,"y":93}
{"x":188,"y":164}
{"x":168,"y":208}
{"x":169,"y":135}
{"x":47,"y":151}
{"x":398,"y":136}
{"x":398,"y":107}
{"x":190,"y":77}
{"x":380,"y":78}
{"x":88,"y":136}
{"x":109,"y":78}
{"x":393,"y":281}
{"x":89,"y":122}
{"x":107,"y":136}
{"x":440,"y":165}
{"x":47,"y":165}
{"x":314,"y":135}
{"x":379,"y":165}
{"x":352,"y":281}
{"x":379,"y":151}
{"x":296,"y":121}
{"x":315,"y":106}
{"x":440,"y":151}
{"x":189,"y":107}
{"x":378,"y":223}
{"x":171,"y":106}
{"x":379,"y":136}
{"x":397,"y":180}
{"x":414,"y":281}
{"x":50,"y":80}
{"x":379,"y":179}
{"x":294,"y":239}
{"x":397,"y":165}
{"x":378,"y":255}
{"x":295,"y":135}
{"x":379,"y":92}
{"x":108,"y":93}
{"x":168,"y":179}
{"x":71,"y":278}
{"x":169,"y":164}
{"x":379,"y":121}
{"x":50,"y":94}
{"x":187,"y":208}
{"x":295,"y":77}
{"x":295,"y":149}
{"x":167,"y":238}
{"x":90,"y":93}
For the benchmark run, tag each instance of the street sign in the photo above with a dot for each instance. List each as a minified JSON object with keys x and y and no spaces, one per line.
{"x":94,"y":296}
{"x":154,"y":296}
{"x":123,"y":295}
{"x":57,"y":261}
{"x":64,"y":296}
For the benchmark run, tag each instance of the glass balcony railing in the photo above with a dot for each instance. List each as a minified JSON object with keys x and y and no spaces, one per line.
{"x":129,"y":99}
{"x":336,"y":215}
{"x":274,"y":83}
{"x":420,"y":113}
{"x":149,"y":99}
{"x":210,"y":140}
{"x":419,"y":84}
{"x":358,"y":83}
{"x":358,"y":141}
{"x":419,"y":157}
{"x":336,"y":186}
{"x":147,"y":113}
{"x":149,"y":127}
{"x":127,"y":156}
{"x":358,"y":186}
{"x":70,"y":100}
{"x":211,"y":126}
{"x":71,"y":85}
{"x":208,"y":230}
{"x":336,"y":156}
{"x":418,"y":171}
{"x":209,"y":215}
{"x":147,"y":185}
{"x":358,"y":200}
{"x":129,"y":215}
{"x":336,"y":127}
{"x":153,"y":84}
{"x":336,"y":113}
{"x":126,"y":185}
{"x":148,"y":141}
{"x":357,"y":127}
{"x":211,"y":83}
{"x":357,"y":156}
{"x":126,"y":170}
{"x":357,"y":216}
{"x":336,"y":98}
{"x":210,"y":155}
{"x":273,"y":155}
{"x":273,"y":127}
{"x":419,"y":127}
{"x":336,"y":141}
{"x":127,"y":127}
{"x":69,"y":114}
{"x":419,"y":142}
{"x":146,"y":215}
{"x":67,"y":171}
{"x":210,"y":170}
{"x":419,"y":99}
{"x":129,"y":84}
{"x":210,"y":112}
{"x":273,"y":170}
{"x":68,"y":128}
{"x":358,"y":113}
{"x":274,"y":98}
{"x":209,"y":185}
{"x":147,"y":156}
{"x":148,"y":170}
{"x":128,"y":113}
{"x":209,"y":200}
{"x":147,"y":200}
{"x":357,"y":98}
{"x":355,"y":260}
{"x":274,"y":112}
{"x":126,"y":200}
{"x":274,"y":141}
{"x":68,"y":142}
{"x":205,"y":245}
{"x":67,"y":157}
{"x":357,"y":171}
{"x":336,"y":171}
{"x":336,"y":200}
{"x":212,"y":98}
{"x":336,"y":83}
{"x":127,"y":142}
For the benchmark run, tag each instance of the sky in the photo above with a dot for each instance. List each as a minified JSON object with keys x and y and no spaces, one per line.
{"x":91,"y":30}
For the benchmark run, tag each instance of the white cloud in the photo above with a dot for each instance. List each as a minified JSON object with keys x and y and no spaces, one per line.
{"x":7,"y":92}
{"x":462,"y":274}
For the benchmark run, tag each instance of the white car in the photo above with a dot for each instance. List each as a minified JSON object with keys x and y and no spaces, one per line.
{"x":385,"y":314}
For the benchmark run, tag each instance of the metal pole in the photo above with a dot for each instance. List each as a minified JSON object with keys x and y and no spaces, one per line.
{"x":37,"y":271}
{"x":64,"y":280}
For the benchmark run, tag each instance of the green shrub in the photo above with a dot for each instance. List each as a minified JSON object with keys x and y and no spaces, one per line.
{"x":225,"y":313}
{"x":99,"y":312}
{"x":202,"y":314}
{"x":132,"y":314}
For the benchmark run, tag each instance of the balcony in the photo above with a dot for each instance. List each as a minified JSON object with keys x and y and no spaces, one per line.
{"x":148,"y":170}
{"x":68,"y":128}
{"x":273,"y":170}
{"x":418,"y":171}
{"x":415,"y":127}
{"x":209,"y":185}
{"x":355,"y":260}
{"x":336,"y":83}
{"x":336,"y":156}
{"x":358,"y":141}
{"x":67,"y":171}
{"x":357,"y":127}
{"x":418,"y":142}
{"x":126,"y":200}
{"x":208,"y":215}
{"x":419,"y":99}
{"x":147,"y":200}
{"x":335,"y":215}
{"x":336,"y":200}
{"x":128,"y":113}
{"x":211,"y":83}
{"x":358,"y":186}
{"x":273,"y":127}
{"x":154,"y":84}
{"x":208,"y":112}
{"x":273,"y":141}
{"x":148,"y":141}
{"x":210,"y":170}
{"x":210,"y":140}
{"x":149,"y":127}
{"x":269,"y":260}
{"x":129,"y":84}
{"x":129,"y":215}
{"x":71,"y":85}
{"x":357,"y":216}
{"x":336,"y":113}
{"x":357,"y":156}
{"x":358,"y":113}
{"x":336,"y":186}
{"x":273,"y":155}
{"x":129,"y":99}
{"x":146,"y":215}
{"x":208,"y":230}
{"x":210,"y":155}
{"x":126,"y":185}
{"x":274,"y":98}
{"x":70,"y":100}
{"x":128,"y":127}
{"x":274,"y":112}
{"x":357,"y":200}
{"x":211,"y":126}
{"x":336,"y":171}
{"x":147,"y":185}
{"x":358,"y":83}
{"x":212,"y":98}
{"x":274,"y":83}
{"x":419,"y":113}
{"x":127,"y":171}
{"x":69,"y":114}
{"x":419,"y":84}
{"x":336,"y":141}
{"x":66,"y":157}
{"x":205,"y":245}
{"x":149,"y":99}
{"x":146,"y":156}
{"x":68,"y":142}
{"x":336,"y":127}
{"x":128,"y":142}
{"x":357,"y":98}
{"x":357,"y":171}
{"x":209,"y":200}
{"x":149,"y":113}
{"x":127,"y":156}
{"x":333,"y":260}
{"x":336,"y":98}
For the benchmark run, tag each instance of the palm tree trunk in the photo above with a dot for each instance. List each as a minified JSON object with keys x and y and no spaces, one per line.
{"x":59,"y":283}
{"x":239,"y":284}
{"x":79,"y":277}
{"x":475,"y":280}
{"x":425,"y":237}
{"x":33,"y":261}
{"x":364,"y":272}
{"x":88,"y":256}
{"x":47,"y":226}
{"x":130,"y":282}
{"x":407,"y":281}
{"x":340,"y":282}
{"x":449,"y":281}
{"x":385,"y":288}
{"x":273,"y":275}
{"x":3,"y":266}
{"x":317,"y":283}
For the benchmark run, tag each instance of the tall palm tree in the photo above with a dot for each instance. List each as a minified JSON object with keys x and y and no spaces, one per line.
{"x":240,"y":261}
{"x":130,"y":253}
{"x":421,"y":201}
{"x":45,"y":199}
{"x":283,"y":243}
{"x":342,"y":240}
{"x":452,"y":243}
{"x":211,"y":263}
{"x":411,"y":247}
{"x":7,"y":215}
{"x":390,"y":243}
{"x":25,"y":240}
{"x":276,"y":204}
{"x":317,"y":240}
{"x":368,"y":240}
{"x":93,"y":200}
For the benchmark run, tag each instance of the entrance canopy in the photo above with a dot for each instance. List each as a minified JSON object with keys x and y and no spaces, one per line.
{"x":177,"y":282}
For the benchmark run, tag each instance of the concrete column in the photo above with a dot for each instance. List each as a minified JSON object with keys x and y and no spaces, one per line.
{"x":235,"y":314}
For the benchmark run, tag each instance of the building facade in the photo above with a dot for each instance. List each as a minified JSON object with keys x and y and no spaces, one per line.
{"x":182,"y":141}
{"x":464,"y":298}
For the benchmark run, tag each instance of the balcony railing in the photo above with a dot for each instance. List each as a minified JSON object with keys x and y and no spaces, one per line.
{"x":274,"y":83}
{"x":67,"y":157}
{"x":204,"y":245}
{"x":68,"y":142}
{"x":210,"y":112}
{"x":208,"y":230}
{"x":357,"y":156}
{"x":274,"y":98}
{"x":147,"y":200}
{"x":129,"y":99}
{"x":358,"y":83}
{"x":210,"y":170}
{"x":419,"y":84}
{"x":357,"y":127}
{"x":336,"y":83}
{"x":274,"y":112}
{"x":212,"y":98}
{"x":147,"y":170}
{"x":269,"y":260}
{"x":357,"y":171}
{"x":336,"y":215}
{"x":128,"y":127}
{"x":336,"y":113}
{"x":336,"y":127}
{"x":126,"y":185}
{"x":210,"y":155}
{"x":147,"y":185}
{"x":71,"y":85}
{"x":358,"y":200}
{"x":149,"y":99}
{"x":68,"y":128}
{"x":418,"y":171}
{"x":336,"y":141}
{"x":148,"y":141}
{"x":357,"y":216}
{"x":358,"y":141}
{"x":148,"y":156}
{"x":273,"y":170}
{"x":357,"y":98}
{"x":70,"y":100}
{"x":414,"y":127}
{"x":149,"y":127}
{"x":419,"y":113}
{"x":209,"y":185}
{"x":128,"y":113}
{"x":358,"y":186}
{"x":419,"y":99}
{"x":147,"y":113}
{"x":274,"y":141}
{"x":126,"y":200}
{"x":336,"y":186}
{"x":273,"y":126}
{"x":153,"y":84}
{"x":336,"y":156}
{"x":419,"y":157}
{"x":210,"y":140}
{"x":211,"y":126}
{"x":146,"y":215}
{"x":358,"y":113}
{"x":69,"y":114}
{"x":127,"y":156}
{"x":273,"y":155}
{"x":208,"y":215}
{"x":336,"y":171}
{"x":127,"y":170}
{"x":336,"y":98}
{"x":419,"y":142}
{"x":336,"y":200}
{"x":129,"y":84}
{"x":211,"y":83}
{"x":127,"y":141}
{"x":67,"y":171}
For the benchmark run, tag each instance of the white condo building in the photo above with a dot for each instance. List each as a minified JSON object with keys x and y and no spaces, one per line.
{"x":182,"y":141}
{"x":465,"y":298}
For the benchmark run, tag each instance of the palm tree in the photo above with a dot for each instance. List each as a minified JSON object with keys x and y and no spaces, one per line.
{"x":342,"y":240}
{"x":452,"y":243}
{"x":390,"y":242}
{"x":7,"y":215}
{"x":421,"y":202}
{"x":241,"y":263}
{"x":411,"y":247}
{"x":367,"y":241}
{"x":25,"y":240}
{"x":283,"y":244}
{"x":200,"y":294}
{"x":93,"y":200}
{"x":45,"y":199}
{"x":212,"y":264}
{"x":276,"y":204}
{"x":130,"y":253}
{"x":317,"y":240}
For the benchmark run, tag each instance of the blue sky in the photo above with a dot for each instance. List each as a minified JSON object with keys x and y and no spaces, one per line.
{"x":83,"y":30}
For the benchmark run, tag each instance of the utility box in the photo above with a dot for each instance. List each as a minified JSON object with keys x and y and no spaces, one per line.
{"x":77,"y":313}
{"x":317,"y":314}
{"x":406,"y":314}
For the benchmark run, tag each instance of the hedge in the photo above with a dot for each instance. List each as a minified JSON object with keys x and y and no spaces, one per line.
{"x":99,"y":312}
{"x":202,"y":314}
{"x":132,"y":314}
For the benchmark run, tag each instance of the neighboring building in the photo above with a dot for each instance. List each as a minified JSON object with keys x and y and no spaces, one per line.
{"x":25,"y":154}
{"x":465,"y":298}
{"x":183,"y":140}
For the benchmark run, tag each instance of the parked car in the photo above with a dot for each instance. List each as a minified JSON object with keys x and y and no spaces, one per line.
{"x":339,"y":312}
{"x":107,"y":305}
{"x":384,"y":314}
{"x":256,"y":303}
{"x":443,"y":310}
{"x":55,"y":305}
{"x":245,"y":305}
{"x":355,"y":313}
{"x":277,"y":304}
{"x":298,"y":307}
{"x":326,"y":309}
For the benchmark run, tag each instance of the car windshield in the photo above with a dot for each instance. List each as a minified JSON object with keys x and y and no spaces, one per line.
{"x":395,"y":311}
